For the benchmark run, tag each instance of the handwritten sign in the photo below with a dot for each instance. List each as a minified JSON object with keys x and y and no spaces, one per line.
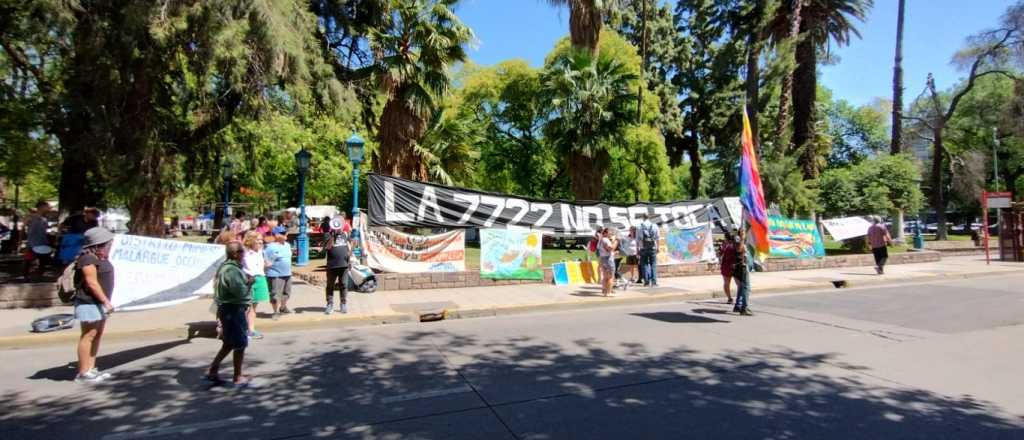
{"x":151,"y":272}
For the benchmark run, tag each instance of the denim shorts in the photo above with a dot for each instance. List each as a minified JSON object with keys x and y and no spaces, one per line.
{"x":234,"y":325}
{"x":89,"y":313}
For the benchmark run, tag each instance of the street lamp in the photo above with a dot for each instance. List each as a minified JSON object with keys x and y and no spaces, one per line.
{"x":302,"y":165}
{"x":356,"y":153}
{"x":227,"y":171}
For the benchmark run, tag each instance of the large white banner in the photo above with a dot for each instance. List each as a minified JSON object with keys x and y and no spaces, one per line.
{"x":150,"y":272}
{"x":847,"y":227}
{"x":389,"y":250}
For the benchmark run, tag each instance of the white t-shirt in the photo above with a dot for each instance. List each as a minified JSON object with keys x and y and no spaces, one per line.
{"x":604,"y":247}
{"x":253,"y":263}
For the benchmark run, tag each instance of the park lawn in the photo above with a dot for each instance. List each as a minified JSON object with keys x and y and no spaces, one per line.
{"x":548,"y":256}
{"x":836,"y":248}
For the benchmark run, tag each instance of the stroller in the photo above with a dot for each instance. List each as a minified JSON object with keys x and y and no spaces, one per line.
{"x":361,"y":277}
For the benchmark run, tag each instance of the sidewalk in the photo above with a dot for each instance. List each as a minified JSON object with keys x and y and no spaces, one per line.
{"x":403,"y":306}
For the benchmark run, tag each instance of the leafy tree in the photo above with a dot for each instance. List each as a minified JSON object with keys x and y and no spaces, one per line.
{"x":414,"y":48}
{"x":878,"y":185}
{"x":856,"y":132}
{"x":785,"y":187}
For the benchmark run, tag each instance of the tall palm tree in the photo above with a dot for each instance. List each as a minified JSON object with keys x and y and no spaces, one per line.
{"x":585,"y":20}
{"x":420,"y":41}
{"x":449,"y":149}
{"x":592,"y":102}
{"x":787,"y":30}
{"x":896,"y":145}
{"x":821,"y":22}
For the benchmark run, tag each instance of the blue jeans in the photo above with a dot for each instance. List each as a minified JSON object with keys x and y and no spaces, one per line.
{"x":649,"y":268}
{"x":742,"y":276}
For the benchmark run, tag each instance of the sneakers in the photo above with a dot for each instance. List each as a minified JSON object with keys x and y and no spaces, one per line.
{"x":344,"y":308}
{"x":102,"y":374}
{"x":285,"y":311}
{"x":746,"y":312}
{"x":329,"y":308}
{"x":255,"y":335}
{"x":276,"y":316}
{"x":90,"y":377}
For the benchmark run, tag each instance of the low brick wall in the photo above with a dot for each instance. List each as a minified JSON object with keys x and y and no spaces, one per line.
{"x":416,"y":281}
{"x":27,"y":296}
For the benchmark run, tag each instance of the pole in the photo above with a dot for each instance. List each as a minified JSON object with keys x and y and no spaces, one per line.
{"x":227,"y":203}
{"x":15,"y":232}
{"x":302,"y":241}
{"x":984,"y":210}
{"x":995,"y":161}
{"x":356,"y":237}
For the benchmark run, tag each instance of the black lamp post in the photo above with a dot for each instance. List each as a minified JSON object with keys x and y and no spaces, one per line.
{"x":227,"y":172}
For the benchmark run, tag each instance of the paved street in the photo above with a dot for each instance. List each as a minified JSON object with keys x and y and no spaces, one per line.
{"x":926,"y":360}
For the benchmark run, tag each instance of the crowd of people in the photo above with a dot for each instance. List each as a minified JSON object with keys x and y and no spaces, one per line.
{"x":632,"y":258}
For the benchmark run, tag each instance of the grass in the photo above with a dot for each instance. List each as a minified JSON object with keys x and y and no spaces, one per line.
{"x":836,"y":248}
{"x":548,"y":256}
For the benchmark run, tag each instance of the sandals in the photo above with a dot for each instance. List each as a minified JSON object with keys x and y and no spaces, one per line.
{"x":213,"y":381}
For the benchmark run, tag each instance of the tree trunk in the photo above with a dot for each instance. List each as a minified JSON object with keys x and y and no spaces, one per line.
{"x":400,"y":129}
{"x":786,"y":95}
{"x":897,"y":87}
{"x":938,"y":198}
{"x":586,"y":175}
{"x":805,"y":88}
{"x":147,"y":211}
{"x":75,"y":190}
{"x":584,"y":25}
{"x":693,"y":150}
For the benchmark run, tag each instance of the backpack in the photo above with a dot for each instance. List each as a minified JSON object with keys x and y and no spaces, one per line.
{"x":67,"y":286}
{"x":649,"y":240}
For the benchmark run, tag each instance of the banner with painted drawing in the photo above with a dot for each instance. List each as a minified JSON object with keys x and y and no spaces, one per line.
{"x":399,"y":202}
{"x":389,"y":250}
{"x":689,"y":245}
{"x":151,"y":272}
{"x":507,"y":254}
{"x":847,"y":227}
{"x":794,"y":238}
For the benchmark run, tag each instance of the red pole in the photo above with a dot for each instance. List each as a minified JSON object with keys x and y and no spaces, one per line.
{"x":984,"y":215}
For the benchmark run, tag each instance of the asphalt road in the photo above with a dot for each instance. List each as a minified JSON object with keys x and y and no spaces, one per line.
{"x":935,"y":360}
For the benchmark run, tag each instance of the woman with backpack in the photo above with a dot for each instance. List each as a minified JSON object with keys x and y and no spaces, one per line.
{"x":94,"y":276}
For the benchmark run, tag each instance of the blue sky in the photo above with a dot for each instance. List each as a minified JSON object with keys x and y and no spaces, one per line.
{"x":934,"y":31}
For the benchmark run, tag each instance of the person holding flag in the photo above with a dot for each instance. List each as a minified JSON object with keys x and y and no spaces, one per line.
{"x":755,"y":215}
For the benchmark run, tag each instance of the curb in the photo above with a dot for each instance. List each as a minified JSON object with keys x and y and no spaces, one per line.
{"x":183,"y":331}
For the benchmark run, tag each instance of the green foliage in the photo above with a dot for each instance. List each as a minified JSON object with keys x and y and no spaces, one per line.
{"x":785,"y":187}
{"x":875,"y":186}
{"x":856,"y":132}
{"x":639,"y":169}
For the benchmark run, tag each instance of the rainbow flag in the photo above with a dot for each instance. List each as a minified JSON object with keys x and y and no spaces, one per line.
{"x":752,"y":194}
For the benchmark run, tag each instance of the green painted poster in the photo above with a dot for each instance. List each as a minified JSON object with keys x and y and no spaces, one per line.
{"x":794,"y":238}
{"x":510,"y":255}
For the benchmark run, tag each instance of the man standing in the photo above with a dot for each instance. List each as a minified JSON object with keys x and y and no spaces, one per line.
{"x":878,"y":238}
{"x":648,"y":238}
{"x":338,"y":253}
{"x":38,"y":241}
{"x":279,"y":255}
{"x":232,"y":291}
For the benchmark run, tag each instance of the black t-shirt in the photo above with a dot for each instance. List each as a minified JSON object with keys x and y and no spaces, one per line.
{"x":337,"y":255}
{"x":104,"y":274}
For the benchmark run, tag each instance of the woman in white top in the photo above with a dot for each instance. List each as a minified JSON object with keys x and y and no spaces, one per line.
{"x":606,"y":251}
{"x":628,"y":247}
{"x":255,"y":265}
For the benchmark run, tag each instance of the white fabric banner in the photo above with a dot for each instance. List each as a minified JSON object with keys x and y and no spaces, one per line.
{"x":151,"y":272}
{"x":389,"y":250}
{"x":847,"y":227}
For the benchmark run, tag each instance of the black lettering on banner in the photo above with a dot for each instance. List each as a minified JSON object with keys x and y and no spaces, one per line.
{"x":399,"y":202}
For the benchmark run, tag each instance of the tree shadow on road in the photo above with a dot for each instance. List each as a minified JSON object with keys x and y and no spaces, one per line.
{"x":415,"y":386}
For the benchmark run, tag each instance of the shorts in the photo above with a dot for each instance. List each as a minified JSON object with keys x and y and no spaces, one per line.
{"x":607,"y":264}
{"x":90,"y":313}
{"x":280,"y":288}
{"x":260,"y":291}
{"x":234,"y":325}
{"x":632,"y":260}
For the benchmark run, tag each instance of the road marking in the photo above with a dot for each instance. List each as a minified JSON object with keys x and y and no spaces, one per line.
{"x":427,"y":394}
{"x":178,"y":429}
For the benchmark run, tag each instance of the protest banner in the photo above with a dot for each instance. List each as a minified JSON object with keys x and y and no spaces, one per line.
{"x":794,"y":238}
{"x":151,"y":272}
{"x":847,"y":227}
{"x":388,"y":250}
{"x":575,"y":272}
{"x":510,"y":255}
{"x":560,"y":274}
{"x":399,"y":202}
{"x":689,"y":245}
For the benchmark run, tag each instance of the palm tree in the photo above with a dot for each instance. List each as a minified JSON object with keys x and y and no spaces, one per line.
{"x":585,"y":20}
{"x":821,"y":22}
{"x":592,"y":101}
{"x":449,"y":149}
{"x":420,"y":41}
